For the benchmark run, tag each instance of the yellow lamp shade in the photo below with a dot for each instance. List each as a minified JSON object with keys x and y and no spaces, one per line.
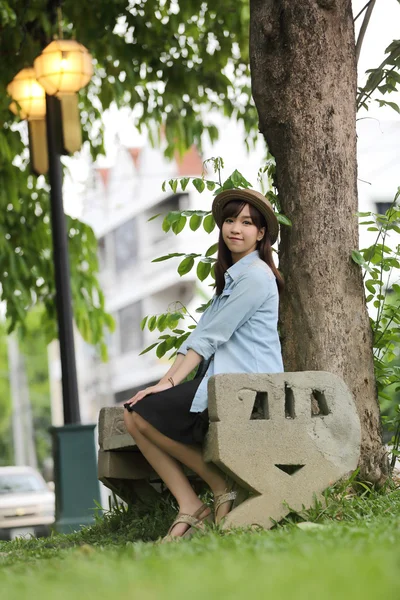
{"x":64,"y":67}
{"x":29,"y":97}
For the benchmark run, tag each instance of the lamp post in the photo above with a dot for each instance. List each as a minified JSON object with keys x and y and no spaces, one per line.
{"x":46,"y":96}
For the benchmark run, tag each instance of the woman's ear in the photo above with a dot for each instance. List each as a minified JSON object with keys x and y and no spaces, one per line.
{"x":261,"y":234}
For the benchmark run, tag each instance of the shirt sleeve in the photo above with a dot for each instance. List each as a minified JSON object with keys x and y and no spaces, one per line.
{"x":247,"y":296}
{"x":202,"y":321}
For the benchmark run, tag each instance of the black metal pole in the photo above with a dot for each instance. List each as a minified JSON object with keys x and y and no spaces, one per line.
{"x":61,"y":264}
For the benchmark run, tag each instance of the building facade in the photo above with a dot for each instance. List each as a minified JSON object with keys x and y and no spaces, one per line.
{"x":118,"y":203}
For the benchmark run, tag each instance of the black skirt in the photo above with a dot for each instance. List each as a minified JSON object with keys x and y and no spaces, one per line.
{"x":169,"y":412}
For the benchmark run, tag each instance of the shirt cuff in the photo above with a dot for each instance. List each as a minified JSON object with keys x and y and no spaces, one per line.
{"x":203,"y":348}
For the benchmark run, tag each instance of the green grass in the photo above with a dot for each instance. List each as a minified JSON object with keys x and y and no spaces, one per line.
{"x":356,"y":554}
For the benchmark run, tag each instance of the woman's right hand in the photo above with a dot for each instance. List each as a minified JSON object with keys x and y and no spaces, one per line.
{"x":154,"y":389}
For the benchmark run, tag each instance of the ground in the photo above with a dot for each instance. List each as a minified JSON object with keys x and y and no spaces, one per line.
{"x":350,"y":550}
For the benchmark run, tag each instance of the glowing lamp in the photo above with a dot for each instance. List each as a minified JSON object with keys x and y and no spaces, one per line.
{"x":64,"y":67}
{"x":28,"y":96}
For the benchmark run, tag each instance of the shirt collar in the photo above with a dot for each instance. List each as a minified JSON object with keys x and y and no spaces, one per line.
{"x":237,"y":269}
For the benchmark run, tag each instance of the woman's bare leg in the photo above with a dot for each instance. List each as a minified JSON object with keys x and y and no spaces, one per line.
{"x":170,"y":472}
{"x":190,"y":456}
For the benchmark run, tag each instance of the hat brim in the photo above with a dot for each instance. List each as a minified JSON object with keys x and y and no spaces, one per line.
{"x":252,"y":197}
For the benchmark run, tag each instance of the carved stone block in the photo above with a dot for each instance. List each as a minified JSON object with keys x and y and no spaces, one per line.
{"x":283,"y":437}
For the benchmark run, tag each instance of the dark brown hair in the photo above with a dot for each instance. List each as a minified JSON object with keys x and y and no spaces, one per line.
{"x":224,"y":258}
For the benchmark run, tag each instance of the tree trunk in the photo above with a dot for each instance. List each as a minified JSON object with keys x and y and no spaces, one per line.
{"x":304,"y":86}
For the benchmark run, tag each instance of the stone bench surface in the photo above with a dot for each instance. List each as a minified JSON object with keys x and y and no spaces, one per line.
{"x":282,"y":437}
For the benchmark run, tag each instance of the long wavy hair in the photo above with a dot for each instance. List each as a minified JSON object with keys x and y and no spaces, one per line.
{"x":224,"y":258}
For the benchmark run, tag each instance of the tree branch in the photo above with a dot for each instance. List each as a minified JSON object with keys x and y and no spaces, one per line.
{"x":363,"y":28}
{"x":361,"y":11}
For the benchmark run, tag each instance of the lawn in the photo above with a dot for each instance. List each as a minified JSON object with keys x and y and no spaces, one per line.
{"x":352,"y":551}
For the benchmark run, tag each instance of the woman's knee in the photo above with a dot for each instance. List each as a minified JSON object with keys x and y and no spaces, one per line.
{"x":129,"y":420}
{"x":139,"y":423}
{"x":134,"y":422}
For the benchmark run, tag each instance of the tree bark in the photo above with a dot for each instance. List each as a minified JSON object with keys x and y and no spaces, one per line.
{"x":304,"y":77}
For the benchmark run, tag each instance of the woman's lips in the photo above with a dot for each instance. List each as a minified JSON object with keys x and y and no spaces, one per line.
{"x":235,"y":239}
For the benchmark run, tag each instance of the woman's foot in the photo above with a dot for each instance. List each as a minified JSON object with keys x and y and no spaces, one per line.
{"x":223,"y":503}
{"x":199,"y":513}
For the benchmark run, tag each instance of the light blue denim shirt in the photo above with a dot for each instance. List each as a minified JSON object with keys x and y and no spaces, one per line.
{"x":239,"y":328}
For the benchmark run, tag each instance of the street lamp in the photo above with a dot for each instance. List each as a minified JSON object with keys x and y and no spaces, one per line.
{"x":29,"y":102}
{"x":28,"y":95}
{"x":64,"y":67}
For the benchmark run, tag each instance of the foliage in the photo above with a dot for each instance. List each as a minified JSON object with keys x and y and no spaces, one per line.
{"x":33,"y":349}
{"x":6,"y":450}
{"x":380,"y":264}
{"x":172,"y":62}
{"x":176,"y":221}
{"x":384,"y":78}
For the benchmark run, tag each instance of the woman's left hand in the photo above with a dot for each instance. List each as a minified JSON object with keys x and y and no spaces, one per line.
{"x":154,"y":389}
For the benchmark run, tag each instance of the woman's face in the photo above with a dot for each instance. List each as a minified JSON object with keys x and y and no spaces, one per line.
{"x":240,"y":234}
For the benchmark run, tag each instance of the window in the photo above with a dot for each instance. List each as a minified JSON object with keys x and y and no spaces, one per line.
{"x":382,"y":207}
{"x":130,"y":333}
{"x":126,"y":245}
{"x":101,"y":251}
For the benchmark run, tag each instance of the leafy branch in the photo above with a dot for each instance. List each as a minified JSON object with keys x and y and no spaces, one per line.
{"x":379,"y":262}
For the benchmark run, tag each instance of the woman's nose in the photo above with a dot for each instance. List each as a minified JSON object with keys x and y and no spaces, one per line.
{"x":235,"y":227}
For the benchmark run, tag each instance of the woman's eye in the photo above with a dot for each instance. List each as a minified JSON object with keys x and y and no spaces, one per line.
{"x":247,"y":222}
{"x":228,"y":220}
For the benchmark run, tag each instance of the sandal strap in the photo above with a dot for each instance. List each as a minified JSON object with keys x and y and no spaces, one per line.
{"x":222,"y":498}
{"x":191,"y":520}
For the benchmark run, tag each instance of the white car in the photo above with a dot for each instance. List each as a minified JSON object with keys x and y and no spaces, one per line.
{"x":27,"y":505}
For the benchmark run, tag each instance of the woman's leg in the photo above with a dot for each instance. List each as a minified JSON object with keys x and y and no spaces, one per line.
{"x":170,"y":472}
{"x":190,"y":456}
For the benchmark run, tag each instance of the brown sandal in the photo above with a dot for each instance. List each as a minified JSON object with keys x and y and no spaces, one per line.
{"x":220,"y":499}
{"x":194,"y":522}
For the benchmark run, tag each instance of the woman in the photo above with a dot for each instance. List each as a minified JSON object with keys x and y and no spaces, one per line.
{"x":236,"y":334}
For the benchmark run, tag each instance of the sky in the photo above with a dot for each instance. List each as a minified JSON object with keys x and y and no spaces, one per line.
{"x":383,"y":28}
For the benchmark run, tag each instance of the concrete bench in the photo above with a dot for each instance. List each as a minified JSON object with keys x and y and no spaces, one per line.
{"x":284,"y":438}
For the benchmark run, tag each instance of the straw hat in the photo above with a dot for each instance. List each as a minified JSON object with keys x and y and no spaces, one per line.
{"x":251,"y":197}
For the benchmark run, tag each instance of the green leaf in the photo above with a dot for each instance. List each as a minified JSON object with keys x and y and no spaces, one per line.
{"x":203,"y":270}
{"x":391,"y":104}
{"x":357,"y":257}
{"x":143,"y":323}
{"x":166,"y":226}
{"x":209,"y":224}
{"x":148,"y":349}
{"x":152,"y":323}
{"x":212,"y":250}
{"x":154,"y":217}
{"x":161,"y":349}
{"x":184,"y":183}
{"x":186,"y":265}
{"x":173,"y":320}
{"x":195,"y":222}
{"x":168,"y":256}
{"x":199,"y":184}
{"x":177,"y":226}
{"x":162,"y":322}
{"x":173,"y":184}
{"x":283,"y":219}
{"x":211,"y":185}
{"x":173,"y":215}
{"x":370,"y":285}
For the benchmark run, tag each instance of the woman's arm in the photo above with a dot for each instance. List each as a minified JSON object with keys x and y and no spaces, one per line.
{"x":190,"y":361}
{"x":182,"y":370}
{"x":171,"y":372}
